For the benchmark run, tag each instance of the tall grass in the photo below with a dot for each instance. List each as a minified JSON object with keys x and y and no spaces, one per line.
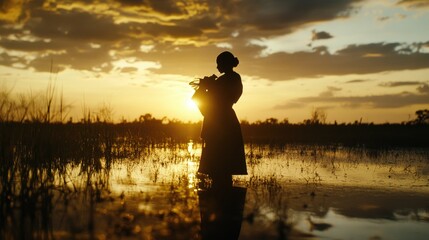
{"x":45,"y":107}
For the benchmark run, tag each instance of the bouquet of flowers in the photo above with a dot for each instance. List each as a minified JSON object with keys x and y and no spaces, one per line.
{"x":202,"y":82}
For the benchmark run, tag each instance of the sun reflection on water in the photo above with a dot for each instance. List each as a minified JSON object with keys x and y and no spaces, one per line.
{"x":192,"y":167}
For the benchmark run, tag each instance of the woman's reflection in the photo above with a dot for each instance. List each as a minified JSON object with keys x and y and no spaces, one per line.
{"x":221,"y":212}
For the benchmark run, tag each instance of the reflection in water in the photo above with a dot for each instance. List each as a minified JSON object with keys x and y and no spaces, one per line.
{"x":221,"y":212}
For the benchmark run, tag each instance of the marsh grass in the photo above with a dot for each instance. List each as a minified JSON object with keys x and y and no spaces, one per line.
{"x":54,"y":178}
{"x":57,"y":182}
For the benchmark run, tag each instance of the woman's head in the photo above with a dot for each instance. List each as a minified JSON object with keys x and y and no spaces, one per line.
{"x":226,"y":61}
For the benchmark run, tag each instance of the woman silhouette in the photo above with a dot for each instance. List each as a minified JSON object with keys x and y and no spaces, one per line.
{"x":223,"y":149}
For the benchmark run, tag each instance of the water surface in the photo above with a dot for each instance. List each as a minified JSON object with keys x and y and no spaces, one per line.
{"x":291,"y":192}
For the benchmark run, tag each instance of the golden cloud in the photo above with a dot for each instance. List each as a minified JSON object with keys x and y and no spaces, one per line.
{"x":11,"y":10}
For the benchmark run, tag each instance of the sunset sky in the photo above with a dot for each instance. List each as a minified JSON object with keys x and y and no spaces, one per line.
{"x":354,"y":59}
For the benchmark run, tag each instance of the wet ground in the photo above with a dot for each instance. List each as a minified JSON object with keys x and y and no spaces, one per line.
{"x":291,"y":192}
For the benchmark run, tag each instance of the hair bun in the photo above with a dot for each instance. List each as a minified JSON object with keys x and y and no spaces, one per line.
{"x":236,"y":62}
{"x":228,"y":58}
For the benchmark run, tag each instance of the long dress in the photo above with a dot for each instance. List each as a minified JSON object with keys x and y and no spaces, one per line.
{"x":223,"y":148}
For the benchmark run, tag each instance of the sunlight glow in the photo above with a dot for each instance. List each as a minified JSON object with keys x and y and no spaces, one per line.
{"x":192,"y":105}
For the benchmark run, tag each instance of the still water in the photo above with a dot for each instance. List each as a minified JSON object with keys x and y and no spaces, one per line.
{"x":291,"y":192}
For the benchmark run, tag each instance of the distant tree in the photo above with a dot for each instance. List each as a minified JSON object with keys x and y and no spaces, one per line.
{"x":257,"y":122}
{"x":285,"y":121}
{"x":422,"y":116}
{"x":271,"y":121}
{"x":174,"y":121}
{"x":244,"y":122}
{"x":145,"y":118}
{"x":165,"y":120}
{"x":318,"y":116}
{"x":123,"y":120}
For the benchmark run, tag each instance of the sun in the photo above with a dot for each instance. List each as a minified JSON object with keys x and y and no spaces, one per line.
{"x":191,"y":105}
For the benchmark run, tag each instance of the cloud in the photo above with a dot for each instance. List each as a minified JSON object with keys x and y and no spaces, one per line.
{"x":375,"y":101}
{"x":11,"y":10}
{"x":175,"y":31}
{"x":185,"y":60}
{"x":68,"y":33}
{"x":424,"y":89}
{"x":322,"y":50}
{"x":31,"y":46}
{"x":397,"y":100}
{"x":320,"y":35}
{"x":415,"y":3}
{"x":274,"y":15}
{"x":74,"y":25}
{"x":384,"y":18}
{"x":399,"y":84}
{"x":357,"y":81}
{"x":370,"y":50}
{"x":329,"y":92}
{"x":183,"y":37}
{"x":291,"y":105}
{"x":129,"y":70}
{"x":9,"y":60}
{"x":167,"y":7}
{"x":354,"y":59}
